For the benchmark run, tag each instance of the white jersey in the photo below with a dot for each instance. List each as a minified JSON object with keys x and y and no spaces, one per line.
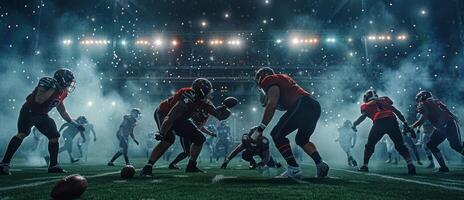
{"x":346,"y":137}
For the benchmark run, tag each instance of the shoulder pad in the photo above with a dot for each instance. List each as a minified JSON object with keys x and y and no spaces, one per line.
{"x":48,"y":83}
{"x":363,"y":107}
{"x":386,"y":100}
{"x":269,"y":81}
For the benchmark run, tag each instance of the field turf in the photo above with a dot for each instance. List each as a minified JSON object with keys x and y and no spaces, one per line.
{"x":237,"y":182}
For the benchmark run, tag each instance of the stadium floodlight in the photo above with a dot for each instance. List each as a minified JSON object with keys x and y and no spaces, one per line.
{"x":158,"y":42}
{"x":401,"y":37}
{"x":331,"y":40}
{"x":67,"y":42}
{"x":123,"y":42}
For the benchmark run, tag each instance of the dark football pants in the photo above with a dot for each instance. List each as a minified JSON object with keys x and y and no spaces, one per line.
{"x":182,"y":127}
{"x":46,"y":125}
{"x":388,"y":126}
{"x":303,"y":116}
{"x":449,"y":131}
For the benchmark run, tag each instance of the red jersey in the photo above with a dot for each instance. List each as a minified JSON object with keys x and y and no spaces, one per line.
{"x":187,"y":95}
{"x":435,"y":111}
{"x":378,"y":108}
{"x":55,"y":99}
{"x":290,"y":91}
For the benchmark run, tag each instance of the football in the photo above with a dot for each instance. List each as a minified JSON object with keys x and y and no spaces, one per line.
{"x":70,"y":187}
{"x":127,"y":172}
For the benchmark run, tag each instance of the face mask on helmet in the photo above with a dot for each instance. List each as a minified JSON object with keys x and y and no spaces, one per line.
{"x":65,"y":79}
{"x":370,"y":95}
{"x":262,"y":73}
{"x":202,"y":87}
{"x":422,"y":96}
{"x":135,"y":113}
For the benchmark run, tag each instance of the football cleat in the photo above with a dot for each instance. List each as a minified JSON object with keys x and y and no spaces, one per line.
{"x":56,"y":169}
{"x":355,"y":164}
{"x":4,"y":169}
{"x":443,"y":169}
{"x":363,"y":168}
{"x":411,"y":169}
{"x":322,"y":169}
{"x":147,"y":171}
{"x":174,"y":166}
{"x":192,"y":168}
{"x":388,"y":161}
{"x":419,"y":162}
{"x":110,"y":164}
{"x":292,"y":172}
{"x":74,"y":160}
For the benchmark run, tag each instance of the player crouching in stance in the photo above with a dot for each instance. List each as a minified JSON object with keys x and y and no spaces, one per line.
{"x":383,"y":114}
{"x":49,"y":93}
{"x":302,"y":114}
{"x":173,"y":117}
{"x":347,"y":140}
{"x":199,"y":117}
{"x":444,"y":122}
{"x":260,"y":148}
{"x":126,"y":129}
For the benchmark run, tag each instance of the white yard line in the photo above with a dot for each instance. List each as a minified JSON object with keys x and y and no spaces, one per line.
{"x":51,"y":181}
{"x":403,"y":179}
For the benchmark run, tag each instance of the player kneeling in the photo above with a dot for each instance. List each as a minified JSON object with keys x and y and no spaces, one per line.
{"x":173,"y":117}
{"x":382,"y":112}
{"x":49,"y":93}
{"x":302,"y":113}
{"x":260,"y":148}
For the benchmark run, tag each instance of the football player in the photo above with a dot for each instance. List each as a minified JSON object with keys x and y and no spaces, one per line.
{"x":69,"y":132}
{"x":384,"y":116}
{"x":199,"y":117}
{"x":260,"y":148}
{"x":444,"y":122}
{"x":125,"y":130}
{"x":411,"y":145}
{"x":392,"y":154}
{"x":223,"y":139}
{"x":49,"y":93}
{"x":347,"y":140}
{"x":173,"y":117}
{"x":82,"y":144}
{"x":280,"y":91}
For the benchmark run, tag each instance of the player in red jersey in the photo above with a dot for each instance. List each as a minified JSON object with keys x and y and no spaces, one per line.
{"x":383,"y":114}
{"x":280,"y":91}
{"x":49,"y":93}
{"x":173,"y":117}
{"x":199,"y":117}
{"x":444,"y":123}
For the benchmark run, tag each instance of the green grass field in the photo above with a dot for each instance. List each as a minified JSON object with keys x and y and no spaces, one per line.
{"x":237,"y":182}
